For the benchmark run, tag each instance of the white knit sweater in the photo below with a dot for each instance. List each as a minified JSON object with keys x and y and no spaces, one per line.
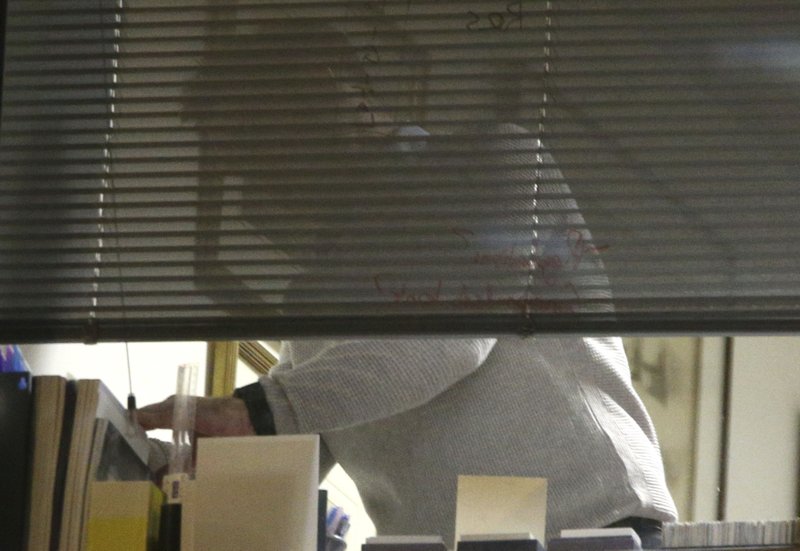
{"x":405,"y":417}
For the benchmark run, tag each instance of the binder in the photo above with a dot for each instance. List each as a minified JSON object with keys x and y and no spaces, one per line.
{"x":15,"y":430}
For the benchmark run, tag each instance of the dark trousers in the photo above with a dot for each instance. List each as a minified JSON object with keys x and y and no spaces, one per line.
{"x":649,"y":530}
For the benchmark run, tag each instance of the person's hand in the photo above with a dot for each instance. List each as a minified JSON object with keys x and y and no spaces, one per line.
{"x":226,"y":416}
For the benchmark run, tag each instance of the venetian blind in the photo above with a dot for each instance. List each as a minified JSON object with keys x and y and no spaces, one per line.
{"x":266,"y":168}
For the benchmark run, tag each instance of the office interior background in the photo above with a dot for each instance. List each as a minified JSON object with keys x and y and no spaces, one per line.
{"x":689,"y":109}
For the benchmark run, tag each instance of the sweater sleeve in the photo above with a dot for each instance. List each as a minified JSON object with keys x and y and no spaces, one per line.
{"x":323,"y":385}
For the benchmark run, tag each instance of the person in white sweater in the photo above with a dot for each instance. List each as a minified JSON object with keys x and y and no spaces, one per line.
{"x":405,"y":417}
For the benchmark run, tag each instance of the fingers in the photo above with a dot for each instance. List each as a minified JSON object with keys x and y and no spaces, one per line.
{"x":157,"y":416}
{"x":222,"y":417}
{"x":213,"y":416}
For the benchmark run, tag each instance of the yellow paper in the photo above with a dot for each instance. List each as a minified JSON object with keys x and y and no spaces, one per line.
{"x":256,"y":492}
{"x":501,"y":505}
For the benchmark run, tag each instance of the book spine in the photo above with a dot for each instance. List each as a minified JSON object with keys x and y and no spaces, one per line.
{"x":70,"y":396}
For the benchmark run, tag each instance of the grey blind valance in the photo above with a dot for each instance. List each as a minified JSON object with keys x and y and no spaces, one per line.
{"x":264,"y":168}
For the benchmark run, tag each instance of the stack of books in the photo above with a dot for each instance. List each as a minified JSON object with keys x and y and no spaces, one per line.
{"x":771,"y":533}
{"x":404,"y":543}
{"x":75,"y":451}
{"x":596,"y":539}
{"x":499,"y":542}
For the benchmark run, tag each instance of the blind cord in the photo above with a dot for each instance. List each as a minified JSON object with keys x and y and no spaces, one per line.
{"x":108,"y":184}
{"x":528,"y":328}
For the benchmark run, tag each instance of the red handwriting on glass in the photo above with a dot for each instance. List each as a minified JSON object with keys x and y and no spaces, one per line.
{"x":552,"y":271}
{"x":479,"y":298}
{"x":579,"y":247}
{"x":505,"y":258}
{"x":549,"y":266}
{"x":510,"y":18}
{"x":404,"y":294}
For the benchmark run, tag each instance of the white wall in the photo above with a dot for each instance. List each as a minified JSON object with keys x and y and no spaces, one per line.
{"x":764,"y":429}
{"x":708,"y":441}
{"x":664,"y":371}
